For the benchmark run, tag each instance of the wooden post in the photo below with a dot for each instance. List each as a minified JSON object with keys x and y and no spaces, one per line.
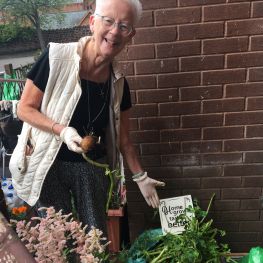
{"x":9,"y":69}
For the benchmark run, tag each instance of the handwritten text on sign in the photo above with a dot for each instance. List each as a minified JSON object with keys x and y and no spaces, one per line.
{"x":170,"y":209}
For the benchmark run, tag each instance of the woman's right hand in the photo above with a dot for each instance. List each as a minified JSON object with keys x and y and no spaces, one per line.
{"x":72,"y":139}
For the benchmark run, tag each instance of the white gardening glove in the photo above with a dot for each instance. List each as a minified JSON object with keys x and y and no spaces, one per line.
{"x":72,"y":139}
{"x":147,"y":187}
{"x":5,"y":105}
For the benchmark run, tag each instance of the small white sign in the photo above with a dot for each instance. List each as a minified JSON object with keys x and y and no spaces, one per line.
{"x":170,"y":209}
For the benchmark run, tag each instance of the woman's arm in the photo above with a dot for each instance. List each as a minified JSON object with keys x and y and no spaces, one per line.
{"x":126,"y":146}
{"x":146,"y":184}
{"x":29,"y":109}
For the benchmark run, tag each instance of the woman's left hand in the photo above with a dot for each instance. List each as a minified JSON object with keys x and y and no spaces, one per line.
{"x":147,"y":187}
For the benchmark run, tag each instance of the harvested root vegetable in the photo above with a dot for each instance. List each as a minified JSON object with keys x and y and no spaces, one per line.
{"x":87,"y":143}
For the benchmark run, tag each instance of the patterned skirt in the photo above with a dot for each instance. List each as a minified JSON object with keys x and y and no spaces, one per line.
{"x":79,"y":185}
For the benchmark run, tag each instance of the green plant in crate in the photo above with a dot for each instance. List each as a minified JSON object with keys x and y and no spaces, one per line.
{"x":114,"y":194}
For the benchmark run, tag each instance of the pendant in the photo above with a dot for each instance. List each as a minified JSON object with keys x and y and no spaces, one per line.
{"x":101,"y":93}
{"x":103,"y":88}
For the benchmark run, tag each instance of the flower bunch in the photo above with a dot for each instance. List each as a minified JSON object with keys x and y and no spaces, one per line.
{"x":18,"y":213}
{"x":56,"y":237}
{"x":19,"y":210}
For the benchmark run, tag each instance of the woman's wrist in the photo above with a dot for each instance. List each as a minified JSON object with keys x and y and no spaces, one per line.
{"x":53,"y":128}
{"x":139,"y":176}
{"x":56,"y":129}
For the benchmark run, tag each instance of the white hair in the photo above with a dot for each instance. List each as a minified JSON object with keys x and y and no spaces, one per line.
{"x":135,"y":4}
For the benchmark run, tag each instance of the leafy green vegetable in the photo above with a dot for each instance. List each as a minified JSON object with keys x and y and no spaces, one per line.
{"x":197,"y":244}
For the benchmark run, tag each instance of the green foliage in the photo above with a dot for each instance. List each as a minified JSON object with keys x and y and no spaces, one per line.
{"x":114,"y":195}
{"x":13,"y":32}
{"x":197,"y":244}
{"x":33,"y":11}
{"x":25,"y":33}
{"x":7,"y":33}
{"x":55,"y":19}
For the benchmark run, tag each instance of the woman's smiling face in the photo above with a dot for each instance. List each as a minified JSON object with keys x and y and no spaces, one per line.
{"x":110,"y":40}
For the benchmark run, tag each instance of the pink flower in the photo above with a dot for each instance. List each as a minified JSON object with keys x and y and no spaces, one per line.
{"x":46,"y":238}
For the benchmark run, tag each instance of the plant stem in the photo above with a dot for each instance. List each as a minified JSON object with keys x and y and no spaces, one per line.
{"x":208,"y":208}
{"x":159,"y":257}
{"x":107,"y":173}
{"x":101,"y":165}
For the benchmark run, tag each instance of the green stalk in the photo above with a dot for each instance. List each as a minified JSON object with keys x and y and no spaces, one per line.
{"x":159,"y":257}
{"x":101,"y":165}
{"x":155,"y":252}
{"x":107,"y":173}
{"x":208,"y":208}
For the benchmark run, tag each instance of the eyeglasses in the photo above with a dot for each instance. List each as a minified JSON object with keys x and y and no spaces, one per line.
{"x":110,"y":23}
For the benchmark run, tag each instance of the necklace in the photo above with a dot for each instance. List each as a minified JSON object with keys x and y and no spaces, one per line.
{"x":104,"y":90}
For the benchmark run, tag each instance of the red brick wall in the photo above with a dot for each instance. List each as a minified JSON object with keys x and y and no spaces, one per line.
{"x":195,"y":69}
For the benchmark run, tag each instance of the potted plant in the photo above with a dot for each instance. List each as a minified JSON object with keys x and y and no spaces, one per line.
{"x":116,"y":212}
{"x":115,"y":204}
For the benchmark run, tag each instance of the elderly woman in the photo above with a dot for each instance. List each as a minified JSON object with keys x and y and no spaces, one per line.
{"x":74,"y":89}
